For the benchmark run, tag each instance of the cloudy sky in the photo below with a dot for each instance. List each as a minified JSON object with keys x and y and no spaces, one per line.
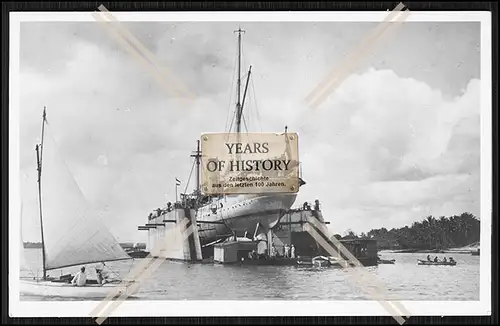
{"x":396,"y":141}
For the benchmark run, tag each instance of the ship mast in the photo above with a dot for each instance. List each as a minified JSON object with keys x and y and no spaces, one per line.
{"x":197,"y":156}
{"x":39,"y":152}
{"x":238,"y":104}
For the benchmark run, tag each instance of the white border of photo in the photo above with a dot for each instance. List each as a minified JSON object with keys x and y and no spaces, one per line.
{"x":19,"y":308}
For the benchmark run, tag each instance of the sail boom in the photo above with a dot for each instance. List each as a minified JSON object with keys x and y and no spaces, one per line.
{"x":85,"y":263}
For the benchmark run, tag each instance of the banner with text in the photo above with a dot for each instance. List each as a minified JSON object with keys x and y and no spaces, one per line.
{"x":249,"y":163}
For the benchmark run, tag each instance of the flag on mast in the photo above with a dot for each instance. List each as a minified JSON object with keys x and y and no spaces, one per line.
{"x":177,"y":182}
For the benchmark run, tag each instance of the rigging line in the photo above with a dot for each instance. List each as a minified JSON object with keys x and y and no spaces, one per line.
{"x":243,"y":78}
{"x":256,"y":107}
{"x":87,"y":241}
{"x":117,"y":274}
{"x":189,"y":178}
{"x":231,"y":94}
{"x":245,"y":123}
{"x":231,"y":126}
{"x":251,"y":109}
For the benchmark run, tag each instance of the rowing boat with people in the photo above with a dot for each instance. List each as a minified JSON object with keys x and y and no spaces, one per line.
{"x":436,"y":263}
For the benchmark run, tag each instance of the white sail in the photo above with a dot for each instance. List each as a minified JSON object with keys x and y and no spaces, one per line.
{"x":72,"y":233}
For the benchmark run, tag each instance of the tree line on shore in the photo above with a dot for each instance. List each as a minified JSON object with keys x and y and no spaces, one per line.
{"x":431,"y":233}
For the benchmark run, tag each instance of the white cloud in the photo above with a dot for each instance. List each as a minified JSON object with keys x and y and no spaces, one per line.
{"x":387,"y":151}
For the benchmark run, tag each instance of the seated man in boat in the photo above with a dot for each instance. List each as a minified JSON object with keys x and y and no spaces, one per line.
{"x":104,"y":276}
{"x":80,"y":278}
{"x":452,"y":260}
{"x":436,"y":259}
{"x":428,"y":257}
{"x":101,"y":276}
{"x":444,"y":259}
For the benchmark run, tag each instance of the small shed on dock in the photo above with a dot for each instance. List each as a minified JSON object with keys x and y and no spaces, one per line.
{"x":365,"y":250}
{"x":233,"y":251}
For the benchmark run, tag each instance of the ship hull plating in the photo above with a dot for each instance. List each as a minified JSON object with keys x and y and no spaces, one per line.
{"x":241,"y":214}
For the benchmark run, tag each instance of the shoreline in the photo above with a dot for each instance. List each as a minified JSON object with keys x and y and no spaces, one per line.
{"x":432,"y":251}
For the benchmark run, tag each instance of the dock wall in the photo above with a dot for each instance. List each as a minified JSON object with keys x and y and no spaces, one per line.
{"x":176,"y":246}
{"x":291,"y":230}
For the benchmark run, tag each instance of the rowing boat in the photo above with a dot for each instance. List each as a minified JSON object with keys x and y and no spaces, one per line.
{"x":436,"y":263}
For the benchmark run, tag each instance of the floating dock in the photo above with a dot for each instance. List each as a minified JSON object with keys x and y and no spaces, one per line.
{"x":291,"y":230}
{"x":162,"y":228}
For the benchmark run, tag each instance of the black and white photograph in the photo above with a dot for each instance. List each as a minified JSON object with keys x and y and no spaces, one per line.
{"x":390,"y":113}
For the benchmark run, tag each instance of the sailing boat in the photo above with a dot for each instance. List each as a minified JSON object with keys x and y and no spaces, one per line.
{"x":70,"y":233}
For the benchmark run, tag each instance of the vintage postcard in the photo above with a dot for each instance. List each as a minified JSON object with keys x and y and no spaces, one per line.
{"x":256,"y":163}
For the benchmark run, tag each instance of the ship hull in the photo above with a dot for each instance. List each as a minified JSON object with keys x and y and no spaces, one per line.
{"x":67,"y":290}
{"x":241,"y":214}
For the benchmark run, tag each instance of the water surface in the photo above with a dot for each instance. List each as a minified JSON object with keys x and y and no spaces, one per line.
{"x":404,"y":280}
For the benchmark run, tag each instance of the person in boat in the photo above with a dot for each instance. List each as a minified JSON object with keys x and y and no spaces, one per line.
{"x":452,"y":260}
{"x":428,"y":257}
{"x":102,"y":276}
{"x":80,"y":278}
{"x":436,"y":259}
{"x":444,"y":260}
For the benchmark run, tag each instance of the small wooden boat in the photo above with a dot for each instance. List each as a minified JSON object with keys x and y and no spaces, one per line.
{"x":57,"y":289}
{"x":304,"y":261}
{"x":436,"y":263}
{"x":137,"y":253}
{"x":318,"y":261}
{"x":321,"y":261}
